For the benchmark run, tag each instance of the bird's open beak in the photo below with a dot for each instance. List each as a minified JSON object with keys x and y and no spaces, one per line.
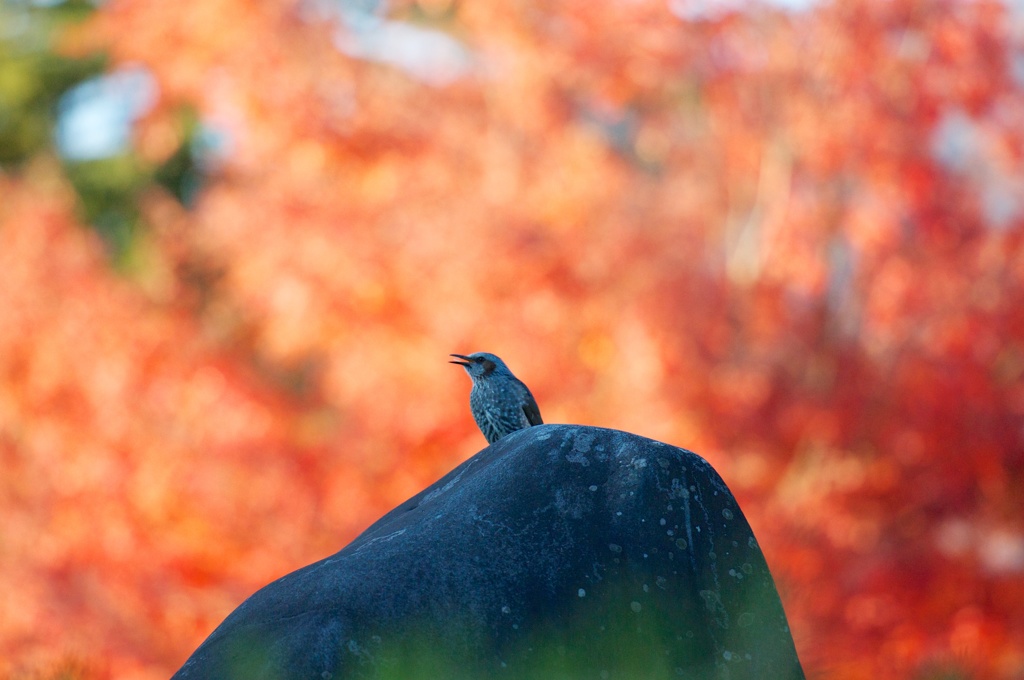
{"x":467,"y":361}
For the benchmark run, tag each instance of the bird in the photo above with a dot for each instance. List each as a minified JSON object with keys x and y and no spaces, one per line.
{"x":500,"y":402}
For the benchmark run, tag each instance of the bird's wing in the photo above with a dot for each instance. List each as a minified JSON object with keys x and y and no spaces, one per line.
{"x":531,"y":411}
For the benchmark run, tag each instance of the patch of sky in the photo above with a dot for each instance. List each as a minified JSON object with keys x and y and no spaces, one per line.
{"x":963,"y":146}
{"x":426,"y":54}
{"x":95,"y":117}
{"x":705,"y":10}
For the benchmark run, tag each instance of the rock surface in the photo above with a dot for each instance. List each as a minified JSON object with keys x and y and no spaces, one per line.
{"x":559,"y":551}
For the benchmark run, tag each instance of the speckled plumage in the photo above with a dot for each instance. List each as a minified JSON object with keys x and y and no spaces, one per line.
{"x":500,"y":402}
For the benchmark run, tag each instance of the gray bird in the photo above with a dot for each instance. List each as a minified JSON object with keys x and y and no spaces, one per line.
{"x":500,"y":402}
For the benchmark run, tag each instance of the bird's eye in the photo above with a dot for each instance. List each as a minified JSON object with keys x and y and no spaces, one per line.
{"x":488,"y":365}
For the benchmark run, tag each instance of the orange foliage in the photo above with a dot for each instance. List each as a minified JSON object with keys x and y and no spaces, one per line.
{"x":745,"y":234}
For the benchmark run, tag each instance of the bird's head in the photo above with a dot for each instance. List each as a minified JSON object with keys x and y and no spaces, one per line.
{"x":481,"y":365}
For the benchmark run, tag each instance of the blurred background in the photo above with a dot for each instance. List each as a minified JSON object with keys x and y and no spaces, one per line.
{"x":238,"y":241}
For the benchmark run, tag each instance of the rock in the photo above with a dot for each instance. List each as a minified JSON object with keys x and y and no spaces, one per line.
{"x":558,"y":551}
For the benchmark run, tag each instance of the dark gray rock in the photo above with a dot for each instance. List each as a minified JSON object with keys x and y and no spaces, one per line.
{"x":559,"y":551}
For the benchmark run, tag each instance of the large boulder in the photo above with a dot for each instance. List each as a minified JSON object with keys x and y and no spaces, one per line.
{"x":560,"y":551}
